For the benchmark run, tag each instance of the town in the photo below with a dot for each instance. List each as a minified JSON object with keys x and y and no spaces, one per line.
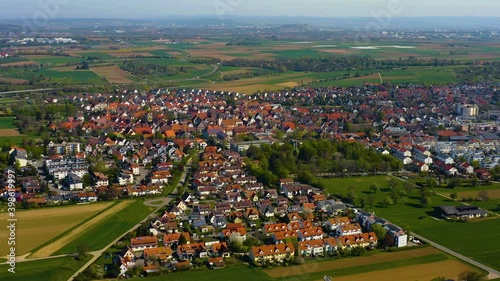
{"x":249,"y":140}
{"x":204,"y":146}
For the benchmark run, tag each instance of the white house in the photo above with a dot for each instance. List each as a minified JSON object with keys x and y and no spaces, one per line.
{"x":349,"y":229}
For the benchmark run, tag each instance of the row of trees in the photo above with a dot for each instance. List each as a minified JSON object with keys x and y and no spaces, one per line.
{"x":487,"y":73}
{"x":142,"y":69}
{"x":335,"y":63}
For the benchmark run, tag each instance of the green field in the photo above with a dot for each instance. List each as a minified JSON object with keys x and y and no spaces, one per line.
{"x":96,"y":55}
{"x":106,"y":231}
{"x":57,"y":269}
{"x":9,"y":100}
{"x":240,"y":273}
{"x":11,"y":60}
{"x":54,"y":76}
{"x":56,"y":60}
{"x":427,"y":76}
{"x":372,"y":267}
{"x":7,"y":123}
{"x":316,"y":270}
{"x":459,"y":236}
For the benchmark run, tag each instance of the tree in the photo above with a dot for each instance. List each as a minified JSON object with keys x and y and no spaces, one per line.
{"x":82,"y":250}
{"x":408,"y":187}
{"x":483,"y":195}
{"x":347,"y":127}
{"x":454,"y":196}
{"x":374,"y":188}
{"x":395,"y":195}
{"x":388,"y":201}
{"x":236,"y":246}
{"x":439,"y":279}
{"x":425,"y":201}
{"x":392,"y":183}
{"x":352,"y":195}
{"x":370,"y":200}
{"x":454,"y":183}
{"x":182,"y":240}
{"x":471,"y":276}
{"x":430,"y":182}
{"x":474,"y":181}
{"x":363,"y":202}
{"x":87,"y":181}
{"x":380,"y":231}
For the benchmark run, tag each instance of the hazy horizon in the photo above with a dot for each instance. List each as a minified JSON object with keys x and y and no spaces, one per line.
{"x":159,"y":9}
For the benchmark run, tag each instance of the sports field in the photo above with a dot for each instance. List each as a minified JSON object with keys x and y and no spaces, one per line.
{"x":36,"y":227}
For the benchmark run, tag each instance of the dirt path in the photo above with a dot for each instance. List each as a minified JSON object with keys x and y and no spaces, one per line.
{"x":58,"y":244}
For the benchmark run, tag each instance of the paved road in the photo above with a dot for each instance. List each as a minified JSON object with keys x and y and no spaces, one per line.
{"x":492,"y":273}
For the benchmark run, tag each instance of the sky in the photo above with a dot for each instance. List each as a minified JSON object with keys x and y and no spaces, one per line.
{"x":159,"y":9}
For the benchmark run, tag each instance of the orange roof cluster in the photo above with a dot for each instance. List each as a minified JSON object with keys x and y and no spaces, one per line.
{"x":271,"y":250}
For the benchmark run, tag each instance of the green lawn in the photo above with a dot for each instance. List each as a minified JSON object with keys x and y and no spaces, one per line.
{"x":58,"y":269}
{"x":239,"y":272}
{"x":108,"y":230}
{"x":459,"y":236}
{"x":7,"y":123}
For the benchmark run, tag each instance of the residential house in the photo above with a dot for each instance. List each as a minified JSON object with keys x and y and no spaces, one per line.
{"x":349,"y":229}
{"x":143,"y":242}
{"x":280,"y":236}
{"x":73,"y":182}
{"x":220,"y":250}
{"x":276,"y":253}
{"x":333,"y":223}
{"x":313,"y":233}
{"x":163,"y":254}
{"x":311,"y":248}
{"x":358,"y":240}
{"x":274,"y":227}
